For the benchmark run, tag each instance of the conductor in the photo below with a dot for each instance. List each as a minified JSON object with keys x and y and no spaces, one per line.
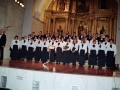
{"x":2,"y":43}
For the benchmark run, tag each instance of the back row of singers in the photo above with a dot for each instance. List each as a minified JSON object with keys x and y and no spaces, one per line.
{"x":65,"y":51}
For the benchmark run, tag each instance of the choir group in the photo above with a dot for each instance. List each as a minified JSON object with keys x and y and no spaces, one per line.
{"x":65,"y":48}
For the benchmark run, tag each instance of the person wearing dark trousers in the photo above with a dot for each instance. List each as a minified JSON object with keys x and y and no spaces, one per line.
{"x":15,"y":46}
{"x":52,"y":50}
{"x":111,"y":53}
{"x":101,"y":54}
{"x":82,"y":52}
{"x":45,"y":54}
{"x":107,"y":44}
{"x":2,"y":43}
{"x":74,"y":51}
{"x":93,"y":51}
{"x":30,"y":50}
{"x":23,"y":48}
{"x":66,"y":51}
{"x":38,"y":50}
{"x":58,"y":51}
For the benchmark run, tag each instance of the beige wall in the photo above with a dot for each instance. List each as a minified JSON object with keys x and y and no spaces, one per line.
{"x":11,"y":15}
{"x":41,"y":6}
{"x":37,"y":25}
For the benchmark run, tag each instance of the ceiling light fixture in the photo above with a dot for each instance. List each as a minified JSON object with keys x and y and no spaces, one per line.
{"x":20,"y":2}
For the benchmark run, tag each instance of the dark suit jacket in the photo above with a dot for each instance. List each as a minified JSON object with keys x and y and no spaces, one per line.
{"x":89,"y":37}
{"x":98,"y":38}
{"x":80,"y":37}
{"x":73,"y":37}
{"x":101,"y":39}
{"x":41,"y":36}
{"x":3,"y":40}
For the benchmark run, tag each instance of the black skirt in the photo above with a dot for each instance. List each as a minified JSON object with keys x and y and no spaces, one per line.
{"x":92,"y":58}
{"x":23,"y":52}
{"x":101,"y":58}
{"x":30,"y":53}
{"x":52,"y":55}
{"x":66,"y":57}
{"x":37,"y":54}
{"x":45,"y":55}
{"x":82,"y":57}
{"x":110,"y":59}
{"x":14,"y":52}
{"x":58,"y":54}
{"x":74,"y":57}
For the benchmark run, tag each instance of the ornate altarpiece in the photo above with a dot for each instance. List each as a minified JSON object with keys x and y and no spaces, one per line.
{"x":89,"y":15}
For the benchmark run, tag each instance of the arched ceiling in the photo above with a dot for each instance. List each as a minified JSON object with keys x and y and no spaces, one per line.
{"x":40,"y":6}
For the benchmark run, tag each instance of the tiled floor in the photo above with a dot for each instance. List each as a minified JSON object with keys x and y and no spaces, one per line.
{"x":69,"y":69}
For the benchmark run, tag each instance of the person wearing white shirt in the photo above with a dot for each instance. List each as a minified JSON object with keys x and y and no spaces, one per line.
{"x":93,"y":51}
{"x":29,"y":37}
{"x":15,"y":46}
{"x":30,"y":50}
{"x":111,"y":53}
{"x":78,"y":41}
{"x":52,"y":49}
{"x":88,"y":43}
{"x":71,"y":40}
{"x":59,"y":50}
{"x":38,"y":49}
{"x":74,"y":51}
{"x":66,"y":51}
{"x":82,"y":52}
{"x":19,"y":55}
{"x":45,"y":54}
{"x":35,"y":39}
{"x":62,"y":40}
{"x":101,"y":54}
{"x":91,"y":41}
{"x":23,"y":48}
{"x":106,"y":42}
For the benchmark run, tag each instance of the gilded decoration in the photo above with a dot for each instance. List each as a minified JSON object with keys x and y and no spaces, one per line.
{"x":86,"y":15}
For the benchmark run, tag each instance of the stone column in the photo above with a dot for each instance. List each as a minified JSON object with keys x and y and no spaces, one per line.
{"x":27,"y":23}
{"x":118,"y":36}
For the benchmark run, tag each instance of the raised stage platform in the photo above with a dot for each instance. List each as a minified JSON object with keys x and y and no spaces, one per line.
{"x":58,"y":68}
{"x":22,"y":75}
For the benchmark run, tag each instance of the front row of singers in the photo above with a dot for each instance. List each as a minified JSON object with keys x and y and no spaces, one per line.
{"x":64,"y":51}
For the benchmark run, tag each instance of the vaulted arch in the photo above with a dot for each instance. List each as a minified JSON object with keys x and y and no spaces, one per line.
{"x":40,"y":6}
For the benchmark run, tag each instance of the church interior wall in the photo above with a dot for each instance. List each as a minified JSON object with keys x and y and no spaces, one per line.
{"x":11,"y":15}
{"x":37,"y":25}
